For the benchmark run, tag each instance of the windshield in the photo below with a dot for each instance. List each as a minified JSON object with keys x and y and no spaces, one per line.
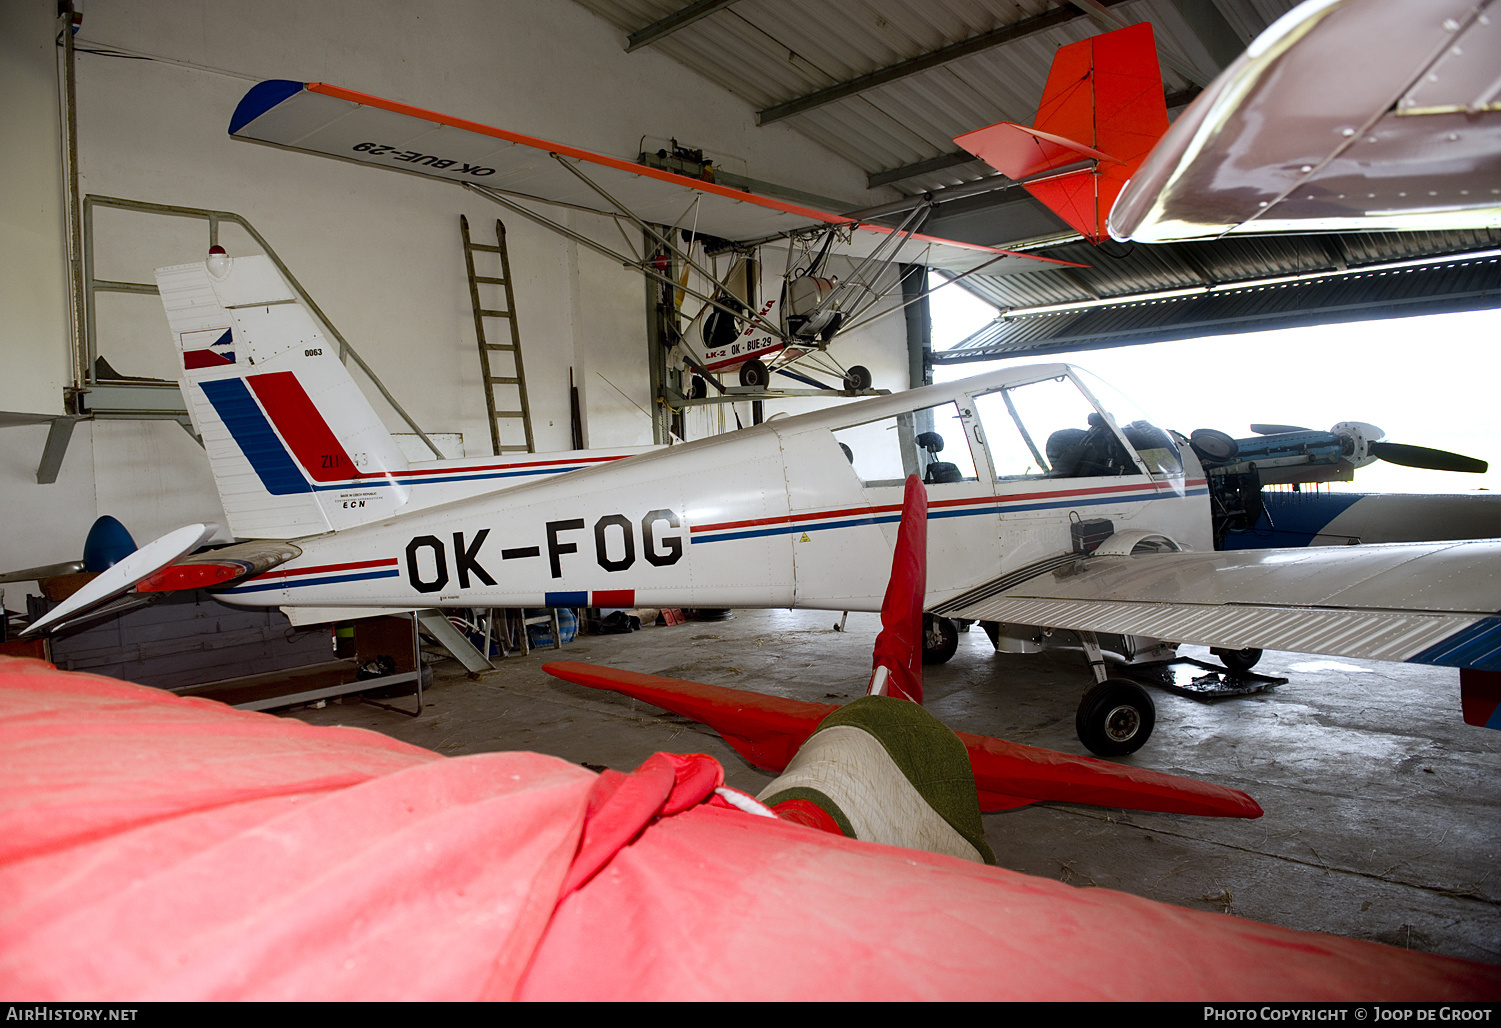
{"x":1156,"y":447}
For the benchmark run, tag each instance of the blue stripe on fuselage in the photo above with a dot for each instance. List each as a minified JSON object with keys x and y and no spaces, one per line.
{"x":329,"y":580}
{"x":985,"y":506}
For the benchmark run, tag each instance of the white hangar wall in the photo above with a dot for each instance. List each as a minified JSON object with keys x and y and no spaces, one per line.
{"x":379,"y":251}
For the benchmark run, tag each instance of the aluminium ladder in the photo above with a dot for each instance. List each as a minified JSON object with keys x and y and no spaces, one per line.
{"x":505,"y":394}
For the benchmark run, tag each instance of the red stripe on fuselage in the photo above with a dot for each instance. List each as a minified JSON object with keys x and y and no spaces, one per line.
{"x":965,"y":501}
{"x":322,"y":569}
{"x":419,"y":472}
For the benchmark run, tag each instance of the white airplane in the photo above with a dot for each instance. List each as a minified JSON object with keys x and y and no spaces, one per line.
{"x":1054,"y":505}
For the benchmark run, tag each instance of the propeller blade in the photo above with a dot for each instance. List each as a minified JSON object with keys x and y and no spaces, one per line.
{"x":1425,"y":457}
{"x":1277,"y":429}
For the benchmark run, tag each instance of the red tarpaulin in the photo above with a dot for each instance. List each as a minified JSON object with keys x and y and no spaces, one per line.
{"x":153,"y":847}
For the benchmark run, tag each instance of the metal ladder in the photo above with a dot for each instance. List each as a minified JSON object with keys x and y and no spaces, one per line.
{"x":513,"y":385}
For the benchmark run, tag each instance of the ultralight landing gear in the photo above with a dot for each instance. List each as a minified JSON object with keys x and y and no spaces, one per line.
{"x":1115,"y":718}
{"x":940,"y":639}
{"x":857,"y":378}
{"x":1237,"y":660}
{"x":755,"y":374}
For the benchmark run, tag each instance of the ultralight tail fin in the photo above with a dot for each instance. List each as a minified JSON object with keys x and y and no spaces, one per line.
{"x":295,"y":447}
{"x":1103,"y":103}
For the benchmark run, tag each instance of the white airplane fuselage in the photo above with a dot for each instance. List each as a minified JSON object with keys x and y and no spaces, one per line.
{"x":773,"y":516}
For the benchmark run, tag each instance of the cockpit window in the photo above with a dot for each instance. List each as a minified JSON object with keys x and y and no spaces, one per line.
{"x":929,"y":443}
{"x":1155,"y":447}
{"x":1049,"y":429}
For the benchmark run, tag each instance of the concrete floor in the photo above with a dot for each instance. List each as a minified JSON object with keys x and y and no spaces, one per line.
{"x":1381,"y":804}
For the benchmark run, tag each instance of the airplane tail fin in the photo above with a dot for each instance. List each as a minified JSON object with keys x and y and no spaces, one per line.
{"x":1104,"y":103}
{"x":294,"y":446}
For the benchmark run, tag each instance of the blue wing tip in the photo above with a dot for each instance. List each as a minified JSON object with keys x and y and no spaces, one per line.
{"x":262,"y":97}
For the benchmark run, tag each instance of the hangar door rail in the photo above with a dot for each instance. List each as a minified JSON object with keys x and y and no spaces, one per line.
{"x":111,"y":396}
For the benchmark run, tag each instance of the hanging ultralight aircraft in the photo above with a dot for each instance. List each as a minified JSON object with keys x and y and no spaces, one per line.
{"x":684,"y":211}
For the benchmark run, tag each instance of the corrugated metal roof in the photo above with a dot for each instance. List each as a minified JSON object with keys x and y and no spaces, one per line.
{"x":1464,"y":284}
{"x":1123,"y":270}
{"x":774,"y":52}
{"x":769,"y":52}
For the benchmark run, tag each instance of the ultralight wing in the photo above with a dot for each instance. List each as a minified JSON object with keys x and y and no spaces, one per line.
{"x":1374,"y":115}
{"x":319,"y":118}
{"x":1429,"y":603}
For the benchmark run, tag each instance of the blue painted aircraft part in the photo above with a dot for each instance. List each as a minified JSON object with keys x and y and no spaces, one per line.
{"x":107,"y":544}
{"x":1291,"y":519}
{"x":262,"y":97}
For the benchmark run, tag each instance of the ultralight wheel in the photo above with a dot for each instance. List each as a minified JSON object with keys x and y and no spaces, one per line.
{"x":857,"y":377}
{"x":755,"y":374}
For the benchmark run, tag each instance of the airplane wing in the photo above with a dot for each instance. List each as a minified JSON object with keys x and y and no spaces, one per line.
{"x":1345,"y":115}
{"x":318,"y":118}
{"x":1430,"y":603}
{"x":768,"y":730}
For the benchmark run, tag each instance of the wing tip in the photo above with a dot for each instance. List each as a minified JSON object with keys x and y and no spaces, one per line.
{"x":261,"y":98}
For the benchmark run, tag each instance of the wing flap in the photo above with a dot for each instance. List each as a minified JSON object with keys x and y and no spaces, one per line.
{"x":1427,"y":602}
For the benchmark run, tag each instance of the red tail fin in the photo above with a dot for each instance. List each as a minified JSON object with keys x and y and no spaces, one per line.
{"x":1103,"y":102}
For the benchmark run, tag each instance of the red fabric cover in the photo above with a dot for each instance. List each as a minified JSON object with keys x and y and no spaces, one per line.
{"x":768,"y":730}
{"x":711,"y":905}
{"x":808,"y":814}
{"x":160,"y":848}
{"x":899,"y":646}
{"x":621,"y":806}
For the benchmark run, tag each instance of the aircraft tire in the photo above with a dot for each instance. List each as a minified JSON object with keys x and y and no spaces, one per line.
{"x":857,"y":378}
{"x":755,"y":374}
{"x":1238,"y":660}
{"x":1115,"y":718}
{"x":940,"y":639}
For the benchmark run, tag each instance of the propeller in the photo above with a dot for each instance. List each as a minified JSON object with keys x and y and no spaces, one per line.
{"x":1359,"y":444}
{"x":1426,"y":457}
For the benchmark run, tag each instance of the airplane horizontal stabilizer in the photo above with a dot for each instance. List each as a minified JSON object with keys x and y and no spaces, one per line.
{"x":218,"y":567}
{"x":768,"y":731}
{"x":1103,"y":102}
{"x":119,"y":577}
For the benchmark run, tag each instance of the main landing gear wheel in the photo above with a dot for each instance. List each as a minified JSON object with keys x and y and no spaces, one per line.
{"x":940,"y":638}
{"x":857,"y":378}
{"x":1115,"y":718}
{"x":753,"y":373}
{"x":1237,"y":660}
